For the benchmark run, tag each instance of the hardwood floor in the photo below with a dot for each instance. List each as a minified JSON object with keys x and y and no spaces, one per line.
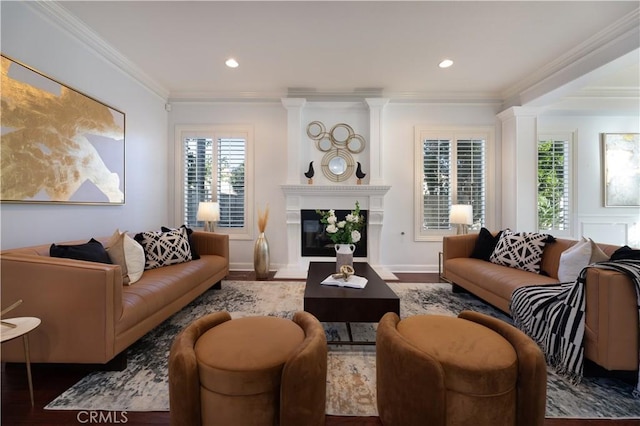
{"x":51,"y":380}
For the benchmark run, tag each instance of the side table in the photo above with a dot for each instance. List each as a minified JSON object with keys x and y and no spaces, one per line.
{"x":23,"y":326}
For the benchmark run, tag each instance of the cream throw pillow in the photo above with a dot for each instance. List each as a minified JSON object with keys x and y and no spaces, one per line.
{"x":129,"y":254}
{"x":134,"y":254}
{"x":573,"y":260}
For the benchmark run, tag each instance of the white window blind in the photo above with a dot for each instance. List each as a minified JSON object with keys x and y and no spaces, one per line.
{"x":554,"y":183}
{"x":198,"y":157}
{"x":214,"y":168}
{"x":436,"y":162}
{"x":453,"y":170}
{"x":231,"y":181}
{"x":471,"y":172}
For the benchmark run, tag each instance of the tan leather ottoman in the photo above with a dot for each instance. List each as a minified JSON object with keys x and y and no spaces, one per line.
{"x":249,"y":371}
{"x":434,"y":369}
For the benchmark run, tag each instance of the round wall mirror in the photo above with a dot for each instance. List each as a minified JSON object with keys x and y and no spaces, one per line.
{"x":355,"y":144}
{"x":340,"y":133}
{"x":337,"y":165}
{"x":324,"y":144}
{"x":315,"y":130}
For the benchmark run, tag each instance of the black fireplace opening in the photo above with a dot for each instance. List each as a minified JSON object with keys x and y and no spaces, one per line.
{"x":316,"y":242}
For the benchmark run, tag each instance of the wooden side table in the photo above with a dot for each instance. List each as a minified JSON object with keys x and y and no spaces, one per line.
{"x":23,"y":326}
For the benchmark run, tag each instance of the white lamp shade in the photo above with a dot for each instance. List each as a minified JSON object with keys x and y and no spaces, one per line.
{"x":208,"y":211}
{"x":461,"y":214}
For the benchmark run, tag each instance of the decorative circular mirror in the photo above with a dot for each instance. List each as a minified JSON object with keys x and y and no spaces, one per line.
{"x":323,"y":143}
{"x":316,"y":130}
{"x":355,"y":144}
{"x":340,"y":133}
{"x":337,"y":165}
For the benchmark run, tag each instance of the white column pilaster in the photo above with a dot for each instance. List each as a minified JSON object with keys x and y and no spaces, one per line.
{"x":376,"y":108}
{"x":519,"y":168}
{"x":294,"y":133}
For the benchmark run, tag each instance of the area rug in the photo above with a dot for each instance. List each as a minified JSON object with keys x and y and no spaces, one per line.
{"x":351,"y":388}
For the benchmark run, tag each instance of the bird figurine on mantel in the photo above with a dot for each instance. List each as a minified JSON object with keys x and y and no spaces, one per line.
{"x":359,"y":174}
{"x":309,"y":174}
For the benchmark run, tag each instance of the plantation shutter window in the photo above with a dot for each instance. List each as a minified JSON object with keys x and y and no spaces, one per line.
{"x":231,"y":181}
{"x":198,"y":157}
{"x":436,"y":183}
{"x":554,"y":184}
{"x":452,"y":166}
{"x":214,"y":164}
{"x":471,"y":183}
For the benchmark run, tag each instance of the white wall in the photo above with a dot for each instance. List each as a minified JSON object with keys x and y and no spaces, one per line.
{"x":614,"y":225}
{"x":269,"y":121}
{"x":30,"y":38}
{"x":399,"y":252}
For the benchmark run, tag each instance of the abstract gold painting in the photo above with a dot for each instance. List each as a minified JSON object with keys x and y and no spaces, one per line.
{"x":57,"y":145}
{"x":621,"y":169}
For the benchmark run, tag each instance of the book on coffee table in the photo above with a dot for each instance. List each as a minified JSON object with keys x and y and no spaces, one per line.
{"x":354,"y":281}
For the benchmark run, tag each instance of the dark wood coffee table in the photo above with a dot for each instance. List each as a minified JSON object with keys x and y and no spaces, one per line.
{"x":344,"y":304}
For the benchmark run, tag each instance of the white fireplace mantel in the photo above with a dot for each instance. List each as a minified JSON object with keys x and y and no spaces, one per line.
{"x":335,"y":190}
{"x":338,"y":197}
{"x":332,"y":196}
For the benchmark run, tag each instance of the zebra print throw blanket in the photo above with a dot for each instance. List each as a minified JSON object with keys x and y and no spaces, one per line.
{"x":554,"y":317}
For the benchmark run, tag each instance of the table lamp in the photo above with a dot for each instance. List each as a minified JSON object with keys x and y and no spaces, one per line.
{"x":461,"y":215}
{"x":209,"y":213}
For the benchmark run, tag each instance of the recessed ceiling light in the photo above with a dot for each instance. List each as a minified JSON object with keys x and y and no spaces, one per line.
{"x":232,"y":63}
{"x":446,"y":63}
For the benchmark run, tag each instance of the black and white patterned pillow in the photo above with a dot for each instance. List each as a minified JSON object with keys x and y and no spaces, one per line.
{"x":521,"y":250}
{"x":164,"y":248}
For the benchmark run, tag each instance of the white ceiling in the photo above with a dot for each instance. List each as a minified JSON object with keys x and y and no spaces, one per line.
{"x":498,"y":48}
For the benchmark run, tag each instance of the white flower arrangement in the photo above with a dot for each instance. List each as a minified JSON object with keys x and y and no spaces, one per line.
{"x":345,"y":231}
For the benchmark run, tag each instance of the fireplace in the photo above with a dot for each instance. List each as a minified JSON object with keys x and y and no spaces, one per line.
{"x":315,"y":241}
{"x":341,"y":198}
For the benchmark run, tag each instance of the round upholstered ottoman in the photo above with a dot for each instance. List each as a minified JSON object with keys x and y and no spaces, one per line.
{"x":480,"y":366}
{"x":442,"y":370}
{"x":240,"y":366}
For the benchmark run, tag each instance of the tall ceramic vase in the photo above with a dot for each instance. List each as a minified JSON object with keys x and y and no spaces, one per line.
{"x":261,"y":257}
{"x":344,"y":255}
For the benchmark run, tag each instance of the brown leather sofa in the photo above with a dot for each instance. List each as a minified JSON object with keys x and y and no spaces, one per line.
{"x":611,"y":329}
{"x":88,"y":315}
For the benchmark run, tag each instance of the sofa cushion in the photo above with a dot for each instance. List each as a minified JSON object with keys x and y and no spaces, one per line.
{"x":521,"y":250}
{"x":485,"y":244}
{"x":597,"y":254}
{"x":126,"y":252}
{"x":194,"y":253}
{"x":573,"y":260}
{"x":115,"y":250}
{"x":626,"y":252}
{"x":164,"y":248}
{"x":92,"y":251}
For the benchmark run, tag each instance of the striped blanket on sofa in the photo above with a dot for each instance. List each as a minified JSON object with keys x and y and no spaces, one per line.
{"x":554,"y":317}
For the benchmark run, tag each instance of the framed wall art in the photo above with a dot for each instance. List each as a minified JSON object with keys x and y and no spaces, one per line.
{"x":621,"y":154}
{"x":58,"y":145}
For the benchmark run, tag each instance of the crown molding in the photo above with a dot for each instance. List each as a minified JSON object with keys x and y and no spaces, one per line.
{"x":449,"y":98}
{"x":618,"y":39}
{"x":59,"y":16}
{"x":607,"y":92}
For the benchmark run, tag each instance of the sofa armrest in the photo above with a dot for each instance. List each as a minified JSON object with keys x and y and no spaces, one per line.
{"x":611,"y":333}
{"x":78,"y":302}
{"x":211,"y":243}
{"x":458,"y":246}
